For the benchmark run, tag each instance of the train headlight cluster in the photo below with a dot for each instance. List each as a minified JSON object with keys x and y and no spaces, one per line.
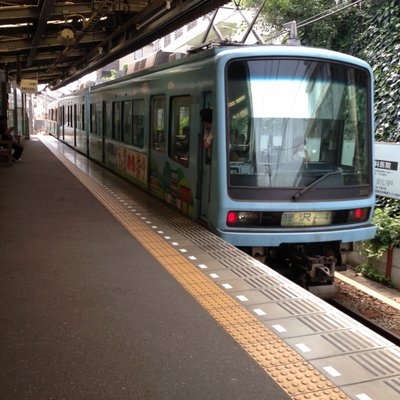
{"x":264,"y":219}
{"x":243,"y":218}
{"x":358,"y":215}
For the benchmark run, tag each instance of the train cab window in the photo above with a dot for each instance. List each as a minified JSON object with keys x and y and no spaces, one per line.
{"x":158,"y":124}
{"x":180,"y":129}
{"x":138,"y":123}
{"x":127,"y":121}
{"x":297,"y":123}
{"x":108,"y":120}
{"x":116,"y":128}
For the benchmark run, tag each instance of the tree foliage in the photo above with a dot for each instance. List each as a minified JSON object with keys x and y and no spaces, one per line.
{"x":378,"y":42}
{"x":369,"y":30}
{"x":329,"y":32}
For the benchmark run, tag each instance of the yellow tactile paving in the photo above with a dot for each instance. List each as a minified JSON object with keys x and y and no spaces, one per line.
{"x":296,"y":377}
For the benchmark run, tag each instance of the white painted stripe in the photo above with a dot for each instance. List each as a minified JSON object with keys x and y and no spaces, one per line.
{"x":363,"y":396}
{"x":302,"y":347}
{"x":279,"y":328}
{"x":332,"y":371}
{"x":227,"y":286}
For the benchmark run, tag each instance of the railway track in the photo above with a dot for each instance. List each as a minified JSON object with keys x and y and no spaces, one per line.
{"x":368,"y":310}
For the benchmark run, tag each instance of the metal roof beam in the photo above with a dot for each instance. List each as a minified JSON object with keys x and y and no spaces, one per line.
{"x":46,"y":10}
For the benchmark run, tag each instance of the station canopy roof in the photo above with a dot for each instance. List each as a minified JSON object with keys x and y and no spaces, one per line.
{"x":57,"y":42}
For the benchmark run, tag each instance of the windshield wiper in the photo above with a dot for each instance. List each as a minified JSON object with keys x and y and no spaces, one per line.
{"x":313,"y":183}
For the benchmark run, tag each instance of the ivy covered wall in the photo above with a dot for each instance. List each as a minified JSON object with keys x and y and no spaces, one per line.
{"x":377,"y":40}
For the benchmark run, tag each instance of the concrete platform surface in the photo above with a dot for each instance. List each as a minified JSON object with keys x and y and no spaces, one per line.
{"x":86,"y":313}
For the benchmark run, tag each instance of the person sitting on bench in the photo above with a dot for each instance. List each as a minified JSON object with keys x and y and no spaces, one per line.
{"x":6,"y":134}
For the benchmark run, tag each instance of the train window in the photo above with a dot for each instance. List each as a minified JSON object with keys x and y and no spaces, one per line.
{"x":99,"y":119}
{"x":127,"y":121}
{"x":92,"y":127}
{"x":138,"y":123}
{"x":158,"y":124}
{"x":69,"y":111}
{"x":180,"y":129}
{"x":116,"y":128}
{"x":295,"y":121}
{"x":108,"y":120}
{"x":80,"y":116}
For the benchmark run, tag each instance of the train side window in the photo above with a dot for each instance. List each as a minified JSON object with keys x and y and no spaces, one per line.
{"x":138,"y":123}
{"x":180,"y":129}
{"x":108,"y":120}
{"x":69,"y":116}
{"x":116,"y":131}
{"x":127,"y":121}
{"x":78,"y":110}
{"x":82,"y":118}
{"x":158,"y":124}
{"x":98,"y":115}
{"x":92,"y":127}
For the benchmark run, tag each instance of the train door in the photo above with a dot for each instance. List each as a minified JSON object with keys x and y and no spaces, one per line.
{"x":206,"y":162}
{"x":103,"y":132}
{"x":61,"y":122}
{"x":73,"y":122}
{"x":157,"y":145}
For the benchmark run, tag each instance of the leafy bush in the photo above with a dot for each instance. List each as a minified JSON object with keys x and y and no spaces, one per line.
{"x":371,"y":273}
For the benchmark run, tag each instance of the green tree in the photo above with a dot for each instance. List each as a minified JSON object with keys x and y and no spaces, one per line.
{"x":331,"y":31}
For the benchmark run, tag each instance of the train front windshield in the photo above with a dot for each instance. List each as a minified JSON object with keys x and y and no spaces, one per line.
{"x":296,"y":123}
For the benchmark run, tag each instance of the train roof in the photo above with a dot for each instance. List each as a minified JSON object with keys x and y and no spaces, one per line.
{"x":164,"y":60}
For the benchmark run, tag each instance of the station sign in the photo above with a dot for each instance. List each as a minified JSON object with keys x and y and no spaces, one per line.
{"x":387,"y":173}
{"x":29,"y":85}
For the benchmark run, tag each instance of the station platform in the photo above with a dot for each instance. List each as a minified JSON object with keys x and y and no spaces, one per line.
{"x":87,"y":313}
{"x":103,"y":297}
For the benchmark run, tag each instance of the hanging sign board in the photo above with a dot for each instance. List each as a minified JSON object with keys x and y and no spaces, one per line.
{"x":387,"y":172}
{"x":29,"y":85}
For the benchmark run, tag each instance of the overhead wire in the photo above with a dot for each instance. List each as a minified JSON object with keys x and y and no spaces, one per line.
{"x":315,"y":18}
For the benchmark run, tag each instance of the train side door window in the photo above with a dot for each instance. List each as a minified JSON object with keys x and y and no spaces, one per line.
{"x":116,"y":131}
{"x":98,"y":118}
{"x":93,"y":118}
{"x":138,"y":123}
{"x":79,"y":117}
{"x":158,"y":123}
{"x":108,"y":120}
{"x":127,"y":121}
{"x":82,"y":117}
{"x":180,"y":129}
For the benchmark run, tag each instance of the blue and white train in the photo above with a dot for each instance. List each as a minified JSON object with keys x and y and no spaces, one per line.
{"x":289,"y":174}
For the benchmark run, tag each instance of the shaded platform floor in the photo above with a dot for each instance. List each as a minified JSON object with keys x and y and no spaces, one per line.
{"x":87,"y":313}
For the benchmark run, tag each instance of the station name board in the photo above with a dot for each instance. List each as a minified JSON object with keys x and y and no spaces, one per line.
{"x":387,"y":174}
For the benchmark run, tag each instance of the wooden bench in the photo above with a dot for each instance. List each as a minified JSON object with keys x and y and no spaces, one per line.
{"x":6,"y":150}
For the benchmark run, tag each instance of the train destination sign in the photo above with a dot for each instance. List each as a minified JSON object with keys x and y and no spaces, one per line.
{"x":387,"y":172}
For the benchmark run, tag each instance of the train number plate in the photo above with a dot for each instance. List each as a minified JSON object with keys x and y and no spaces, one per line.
{"x":306,"y":218}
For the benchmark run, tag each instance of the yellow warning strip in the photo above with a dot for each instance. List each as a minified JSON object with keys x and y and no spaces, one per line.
{"x":299,"y":379}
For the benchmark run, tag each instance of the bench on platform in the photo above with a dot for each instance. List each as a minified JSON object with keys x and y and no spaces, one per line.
{"x":6,"y":150}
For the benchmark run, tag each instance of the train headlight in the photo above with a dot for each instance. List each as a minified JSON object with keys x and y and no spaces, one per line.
{"x":358,"y":215}
{"x":243,"y":218}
